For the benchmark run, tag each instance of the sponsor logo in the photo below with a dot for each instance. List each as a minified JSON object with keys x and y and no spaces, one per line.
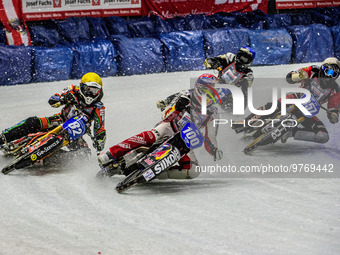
{"x":148,"y":175}
{"x":95,"y":2}
{"x":34,"y":157}
{"x":56,"y":3}
{"x":124,"y":145}
{"x":149,"y":161}
{"x":161,"y":152}
{"x":168,"y":161}
{"x":48,"y":148}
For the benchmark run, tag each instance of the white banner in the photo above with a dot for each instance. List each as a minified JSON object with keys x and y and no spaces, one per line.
{"x":61,"y":9}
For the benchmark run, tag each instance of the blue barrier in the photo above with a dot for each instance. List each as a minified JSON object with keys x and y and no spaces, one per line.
{"x":197,"y":22}
{"x":222,"y":20}
{"x":51,"y":64}
{"x":75,"y":29}
{"x":117,"y":26}
{"x":161,"y":25}
{"x":272,"y":47}
{"x":98,"y":56}
{"x":311,"y":43}
{"x":178,"y":23}
{"x":336,"y":40}
{"x":15,"y":65}
{"x":278,"y":21}
{"x":44,"y":36}
{"x":141,"y":27}
{"x":138,"y":55}
{"x":176,"y":44}
{"x":183,"y":50}
{"x":221,"y":41}
{"x":2,"y":36}
{"x":98,"y":28}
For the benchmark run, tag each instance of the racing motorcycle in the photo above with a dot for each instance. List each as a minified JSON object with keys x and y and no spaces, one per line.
{"x":35,"y":148}
{"x":153,"y":162}
{"x":279,"y":125}
{"x":144,"y":164}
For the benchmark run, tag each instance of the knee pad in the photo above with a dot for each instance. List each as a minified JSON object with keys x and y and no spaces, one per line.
{"x":319,"y":137}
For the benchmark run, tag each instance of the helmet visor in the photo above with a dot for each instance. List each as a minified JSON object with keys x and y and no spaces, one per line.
{"x":329,"y":71}
{"x":90,"y":88}
{"x":244,"y":58}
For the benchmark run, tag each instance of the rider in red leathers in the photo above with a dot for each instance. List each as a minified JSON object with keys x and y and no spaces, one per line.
{"x":176,"y":111}
{"x":321,"y":82}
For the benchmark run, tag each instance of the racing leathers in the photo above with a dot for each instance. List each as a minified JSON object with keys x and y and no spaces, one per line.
{"x":175,"y":115}
{"x":323,"y":90}
{"x":71,"y":101}
{"x":220,"y":63}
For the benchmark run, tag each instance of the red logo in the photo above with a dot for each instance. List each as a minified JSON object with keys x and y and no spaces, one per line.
{"x":95,"y":2}
{"x":134,"y":1}
{"x":56,"y":3}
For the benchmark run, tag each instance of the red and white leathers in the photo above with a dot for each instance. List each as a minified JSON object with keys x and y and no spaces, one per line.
{"x":173,"y":116}
{"x":325,"y":90}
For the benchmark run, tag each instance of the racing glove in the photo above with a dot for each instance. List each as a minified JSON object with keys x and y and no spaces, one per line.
{"x":99,"y":142}
{"x":333,"y":116}
{"x":217,"y":154}
{"x":161,"y":104}
{"x":182,"y":103}
{"x":69,"y":98}
{"x":212,"y":63}
{"x":299,"y":75}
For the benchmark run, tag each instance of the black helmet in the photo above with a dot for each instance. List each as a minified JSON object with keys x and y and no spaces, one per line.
{"x":245,"y":56}
{"x":329,"y":72}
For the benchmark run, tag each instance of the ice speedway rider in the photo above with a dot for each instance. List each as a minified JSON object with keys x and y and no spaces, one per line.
{"x":321,"y":82}
{"x":85,"y":97}
{"x":176,"y":110}
{"x":242,"y":60}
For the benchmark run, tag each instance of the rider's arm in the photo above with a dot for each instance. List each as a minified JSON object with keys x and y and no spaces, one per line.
{"x":301,"y":74}
{"x":210,"y":142}
{"x":333,"y":108}
{"x":99,"y":127}
{"x":67,"y":96}
{"x":220,"y":61}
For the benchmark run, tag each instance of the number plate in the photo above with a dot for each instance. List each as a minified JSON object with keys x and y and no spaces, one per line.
{"x":192,"y":136}
{"x":312,"y":106}
{"x":76,"y":127}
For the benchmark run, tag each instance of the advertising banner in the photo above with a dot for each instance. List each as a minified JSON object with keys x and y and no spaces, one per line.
{"x":173,"y":8}
{"x":303,"y":4}
{"x":62,"y":9}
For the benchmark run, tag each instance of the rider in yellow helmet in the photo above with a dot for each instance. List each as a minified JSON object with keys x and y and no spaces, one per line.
{"x":86,"y":97}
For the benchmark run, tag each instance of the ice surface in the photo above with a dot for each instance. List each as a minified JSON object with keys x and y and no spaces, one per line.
{"x":69,"y":211}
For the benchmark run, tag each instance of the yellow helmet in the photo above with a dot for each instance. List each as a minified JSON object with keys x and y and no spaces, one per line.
{"x":91,"y":88}
{"x":92,"y":77}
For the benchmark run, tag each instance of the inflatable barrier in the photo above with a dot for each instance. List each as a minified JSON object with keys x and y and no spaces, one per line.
{"x":183,"y":50}
{"x":15,"y":65}
{"x":51,"y":64}
{"x":138,"y":55}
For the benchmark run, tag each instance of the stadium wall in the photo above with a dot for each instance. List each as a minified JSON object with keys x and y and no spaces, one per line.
{"x":65,"y":49}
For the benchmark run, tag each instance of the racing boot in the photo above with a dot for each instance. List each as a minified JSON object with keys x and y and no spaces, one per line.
{"x":2,"y":141}
{"x":285,"y":137}
{"x":109,"y":166}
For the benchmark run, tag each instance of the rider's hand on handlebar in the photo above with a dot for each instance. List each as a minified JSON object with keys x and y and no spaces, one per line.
{"x":69,"y":98}
{"x":333,"y":116}
{"x":217,"y":153}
